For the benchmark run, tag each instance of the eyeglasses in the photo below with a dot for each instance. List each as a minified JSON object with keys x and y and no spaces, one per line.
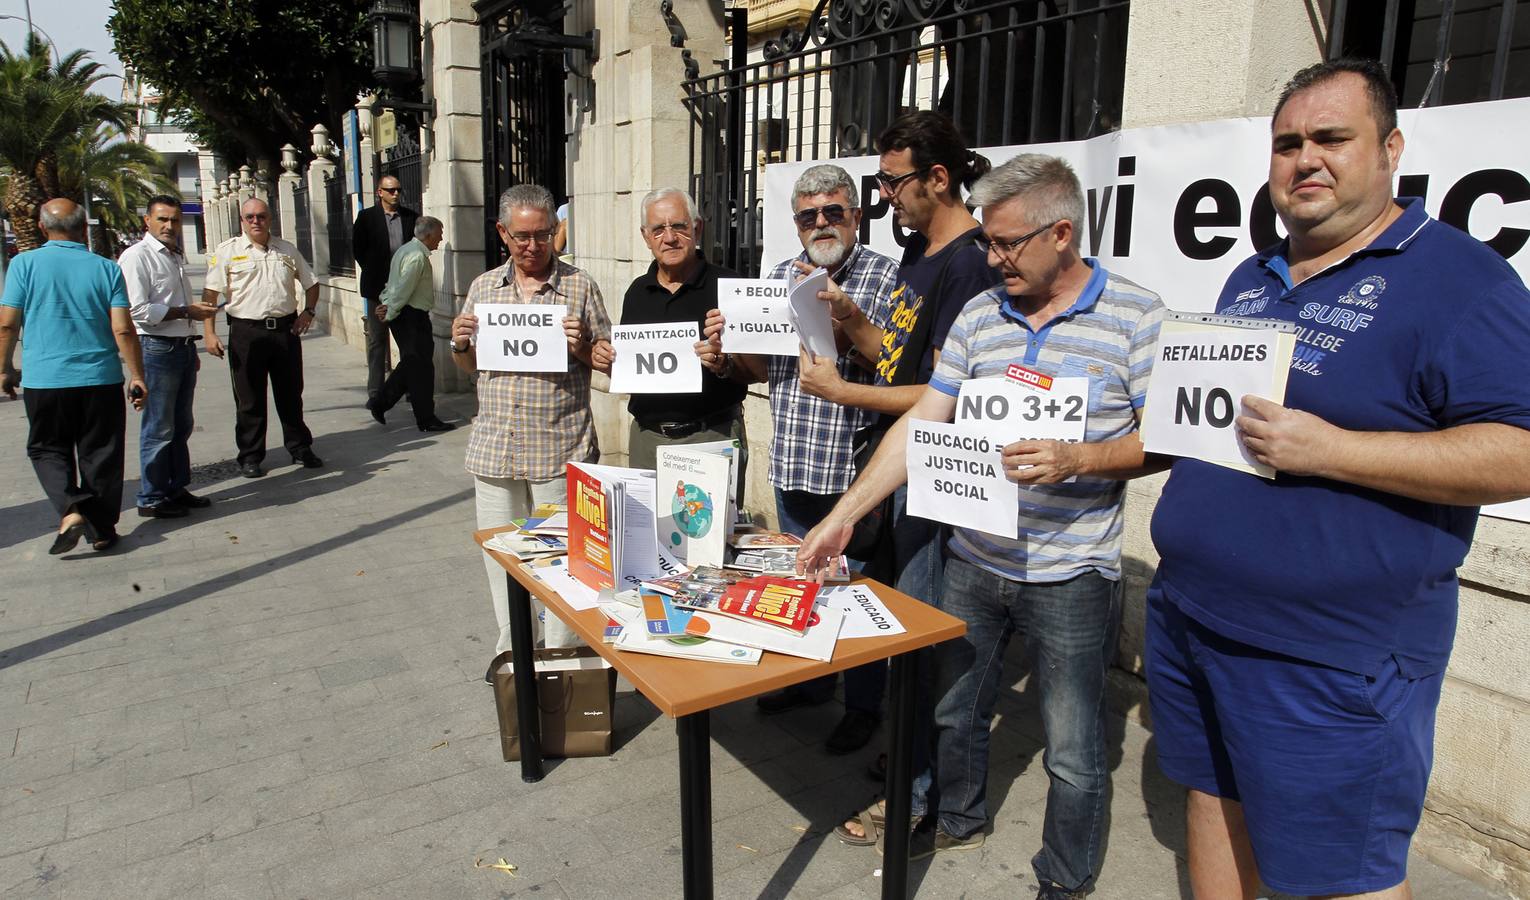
{"x":1007,"y":248}
{"x":834,"y":214}
{"x":383,"y":190}
{"x":681,"y":229}
{"x":523,"y":238}
{"x":255,"y":217}
{"x":890,"y":183}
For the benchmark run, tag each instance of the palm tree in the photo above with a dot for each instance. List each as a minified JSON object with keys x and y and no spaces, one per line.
{"x":119,"y":175}
{"x":43,"y":106}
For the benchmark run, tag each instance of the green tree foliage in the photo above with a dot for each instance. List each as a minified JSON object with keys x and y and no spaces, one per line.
{"x":120,"y":176}
{"x":247,"y":76}
{"x":44,"y":106}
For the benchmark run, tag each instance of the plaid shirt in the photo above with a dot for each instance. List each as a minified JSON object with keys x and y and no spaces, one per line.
{"x":530,"y":424}
{"x":812,"y":448}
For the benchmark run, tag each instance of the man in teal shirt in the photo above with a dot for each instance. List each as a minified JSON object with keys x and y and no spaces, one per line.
{"x":405,"y":306}
{"x":74,"y":306}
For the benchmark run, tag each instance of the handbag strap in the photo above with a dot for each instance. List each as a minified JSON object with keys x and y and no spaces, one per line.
{"x":919,"y":337}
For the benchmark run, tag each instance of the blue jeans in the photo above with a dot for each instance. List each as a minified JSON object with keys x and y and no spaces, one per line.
{"x":799,"y":511}
{"x":170,"y":370}
{"x":1069,"y":629}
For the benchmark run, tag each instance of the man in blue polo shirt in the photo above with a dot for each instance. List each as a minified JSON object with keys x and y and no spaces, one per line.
{"x":1058,"y":314}
{"x":74,"y":306}
{"x":1299,"y":627}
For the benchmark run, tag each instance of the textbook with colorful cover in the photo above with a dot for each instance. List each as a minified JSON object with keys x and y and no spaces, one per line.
{"x":695,"y":506}
{"x":817,"y":643}
{"x":703,"y":586}
{"x":784,"y":603}
{"x":661,"y":617}
{"x":611,"y":526}
{"x":635,"y":640}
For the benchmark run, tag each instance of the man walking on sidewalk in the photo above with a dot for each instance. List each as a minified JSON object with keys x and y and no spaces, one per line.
{"x":154,"y":271}
{"x":378,"y":232}
{"x":75,"y":310}
{"x":405,"y":307}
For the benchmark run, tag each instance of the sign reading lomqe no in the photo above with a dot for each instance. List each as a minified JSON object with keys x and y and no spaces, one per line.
{"x":521,"y":337}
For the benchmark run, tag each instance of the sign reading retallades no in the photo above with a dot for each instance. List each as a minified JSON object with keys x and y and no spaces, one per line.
{"x":955,"y":476}
{"x":521,"y":337}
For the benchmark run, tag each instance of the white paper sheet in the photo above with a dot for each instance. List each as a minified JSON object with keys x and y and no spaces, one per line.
{"x":956,"y":476}
{"x":556,"y":576}
{"x":656,"y":359}
{"x":810,"y":316}
{"x":865,"y":616}
{"x":758,"y":316}
{"x":521,"y":337}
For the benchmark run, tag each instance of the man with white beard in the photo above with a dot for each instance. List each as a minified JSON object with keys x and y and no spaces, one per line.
{"x":812,"y":457}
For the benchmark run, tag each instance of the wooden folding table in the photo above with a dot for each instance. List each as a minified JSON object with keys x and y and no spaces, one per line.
{"x":686,"y":690}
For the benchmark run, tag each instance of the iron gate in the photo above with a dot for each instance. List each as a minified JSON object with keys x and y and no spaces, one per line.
{"x":521,"y":64}
{"x":1007,"y":71}
{"x":403,"y":161}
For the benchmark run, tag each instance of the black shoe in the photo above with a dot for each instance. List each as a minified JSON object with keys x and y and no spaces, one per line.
{"x":191,"y":501}
{"x":166,"y":510}
{"x":437,"y":425}
{"x":785,"y":699}
{"x":68,"y":539}
{"x":377,"y":412}
{"x":1051,"y":891}
{"x":853,"y":732}
{"x":307,"y":459}
{"x":103,"y":544}
{"x":251,"y":470}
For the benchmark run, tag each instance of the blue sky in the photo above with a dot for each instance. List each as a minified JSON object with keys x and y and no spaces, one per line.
{"x":72,"y":24}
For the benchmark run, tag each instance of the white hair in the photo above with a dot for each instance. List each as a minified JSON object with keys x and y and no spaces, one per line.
{"x":655,"y":196}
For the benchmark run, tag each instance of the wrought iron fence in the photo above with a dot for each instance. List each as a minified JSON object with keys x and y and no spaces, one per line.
{"x":339,"y":226}
{"x":403,"y":162}
{"x":274,"y":201}
{"x":1012,"y":72}
{"x":1439,"y":51}
{"x":301,"y":215}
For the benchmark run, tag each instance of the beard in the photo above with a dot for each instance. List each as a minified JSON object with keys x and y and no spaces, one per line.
{"x":829,"y":255}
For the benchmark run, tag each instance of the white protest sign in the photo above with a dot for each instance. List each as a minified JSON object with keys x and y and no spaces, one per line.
{"x":521,"y":337}
{"x":656,"y":359}
{"x":865,"y":616}
{"x":955,"y":476}
{"x":758,"y":316}
{"x":1016,"y":412}
{"x":811,"y":315}
{"x":1200,"y":375}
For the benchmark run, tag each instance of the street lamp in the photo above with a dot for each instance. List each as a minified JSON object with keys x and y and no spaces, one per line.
{"x":395,"y":43}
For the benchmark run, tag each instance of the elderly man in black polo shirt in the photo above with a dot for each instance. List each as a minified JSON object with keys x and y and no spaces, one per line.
{"x":680,"y":286}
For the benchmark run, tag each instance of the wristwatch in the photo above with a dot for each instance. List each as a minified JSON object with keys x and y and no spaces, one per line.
{"x":310,"y":311}
{"x":463,"y":349}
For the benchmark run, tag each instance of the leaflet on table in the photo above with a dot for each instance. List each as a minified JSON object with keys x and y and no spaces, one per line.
{"x":1203,"y":367}
{"x":523,"y":545}
{"x":694,"y":503}
{"x":816,"y":643}
{"x":1012,"y":410}
{"x":521,"y":337}
{"x":658,"y":358}
{"x":555,"y":524}
{"x":555,"y":574}
{"x":865,"y":616}
{"x":611,"y":526}
{"x":662,"y":617}
{"x":634,"y":639}
{"x":758,"y":316}
{"x":749,"y":540}
{"x":810,"y":315}
{"x":956,"y":477}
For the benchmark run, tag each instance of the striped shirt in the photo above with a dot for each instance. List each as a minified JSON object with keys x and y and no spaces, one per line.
{"x":1108,"y":336}
{"x":530,"y":424}
{"x":812,"y":445}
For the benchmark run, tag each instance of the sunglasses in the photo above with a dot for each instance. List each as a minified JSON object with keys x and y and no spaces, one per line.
{"x":890,"y":183}
{"x":387,"y":190}
{"x":834,"y":214}
{"x":255,"y":217}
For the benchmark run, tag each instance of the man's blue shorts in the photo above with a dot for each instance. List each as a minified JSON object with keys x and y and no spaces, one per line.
{"x":1330,"y":765}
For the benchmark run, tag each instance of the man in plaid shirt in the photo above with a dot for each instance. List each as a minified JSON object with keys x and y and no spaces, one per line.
{"x":812,"y":449}
{"x":530,"y":424}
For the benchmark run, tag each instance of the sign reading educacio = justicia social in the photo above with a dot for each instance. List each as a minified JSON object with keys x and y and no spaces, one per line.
{"x":956,"y":476}
{"x":1175,"y":208}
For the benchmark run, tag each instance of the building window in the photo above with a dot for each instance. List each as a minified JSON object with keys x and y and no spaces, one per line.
{"x":1440,"y":51}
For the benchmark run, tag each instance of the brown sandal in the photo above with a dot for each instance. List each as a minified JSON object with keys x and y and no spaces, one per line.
{"x":873,"y":820}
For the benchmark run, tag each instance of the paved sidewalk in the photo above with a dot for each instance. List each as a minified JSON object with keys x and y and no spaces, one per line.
{"x":280,"y":697}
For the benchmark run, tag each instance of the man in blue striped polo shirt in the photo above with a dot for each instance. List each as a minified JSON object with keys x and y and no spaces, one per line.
{"x":1058,"y":315}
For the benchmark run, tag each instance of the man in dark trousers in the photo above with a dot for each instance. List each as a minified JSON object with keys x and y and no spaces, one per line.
{"x":75,"y":310}
{"x":379,"y":231}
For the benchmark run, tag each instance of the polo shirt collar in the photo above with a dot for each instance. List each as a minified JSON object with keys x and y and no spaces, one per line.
{"x":1393,"y":239}
{"x":71,"y":245}
{"x":554,"y":281}
{"x":651,"y":277}
{"x":1086,"y":300}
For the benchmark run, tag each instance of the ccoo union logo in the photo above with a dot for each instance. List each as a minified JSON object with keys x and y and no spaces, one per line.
{"x":1365,"y":292}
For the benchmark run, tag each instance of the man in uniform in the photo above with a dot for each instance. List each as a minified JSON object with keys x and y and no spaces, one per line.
{"x":1299,"y":627}
{"x":378,"y":232}
{"x":257,"y":274}
{"x":154,"y":270}
{"x":1057,"y":584}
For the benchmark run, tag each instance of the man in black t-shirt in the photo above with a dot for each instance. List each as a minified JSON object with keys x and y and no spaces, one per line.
{"x":924,"y":165}
{"x":680,"y":286}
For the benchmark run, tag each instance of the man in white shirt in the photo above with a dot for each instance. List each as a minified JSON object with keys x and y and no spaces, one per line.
{"x":159,"y":298}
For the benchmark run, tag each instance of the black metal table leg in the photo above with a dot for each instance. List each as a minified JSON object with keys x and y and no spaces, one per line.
{"x":528,"y":719}
{"x":900,"y":778}
{"x":695,"y":732}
